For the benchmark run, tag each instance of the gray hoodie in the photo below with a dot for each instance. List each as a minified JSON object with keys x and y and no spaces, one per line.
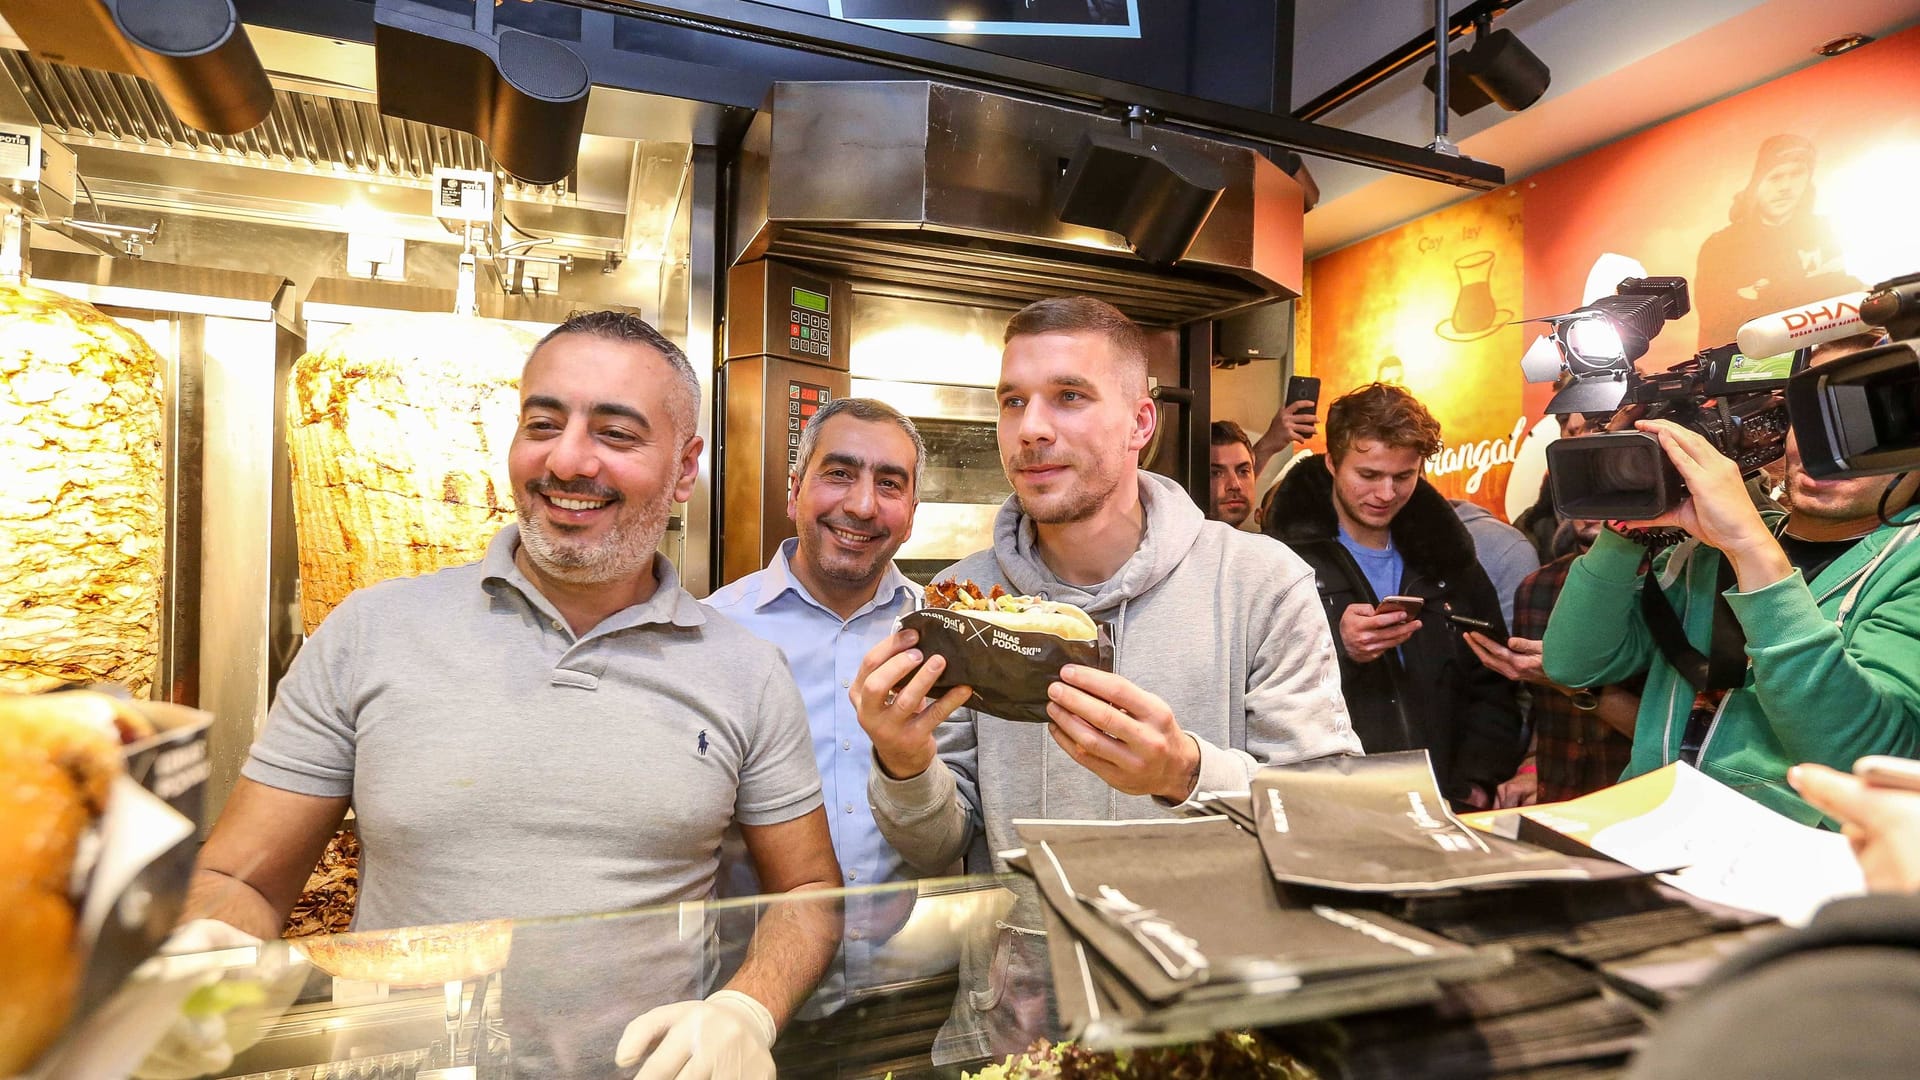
{"x":1225,"y":626}
{"x":1503,"y":551}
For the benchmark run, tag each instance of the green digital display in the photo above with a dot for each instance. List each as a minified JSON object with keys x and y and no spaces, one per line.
{"x":807,"y":300}
{"x":1746,"y":368}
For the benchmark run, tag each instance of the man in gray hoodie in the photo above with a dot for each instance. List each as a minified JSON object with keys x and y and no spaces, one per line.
{"x":1223,"y":661}
{"x":1504,"y":552}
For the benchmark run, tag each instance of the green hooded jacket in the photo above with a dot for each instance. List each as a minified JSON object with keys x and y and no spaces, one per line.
{"x":1833,"y":671}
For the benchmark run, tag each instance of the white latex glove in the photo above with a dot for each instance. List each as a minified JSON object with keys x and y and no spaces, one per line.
{"x":729,"y":1036}
{"x":199,"y":1044}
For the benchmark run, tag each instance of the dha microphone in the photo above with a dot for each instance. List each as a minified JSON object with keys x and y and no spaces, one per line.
{"x":1803,"y":326}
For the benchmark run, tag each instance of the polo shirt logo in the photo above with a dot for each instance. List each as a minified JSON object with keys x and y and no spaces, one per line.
{"x":702,"y":742}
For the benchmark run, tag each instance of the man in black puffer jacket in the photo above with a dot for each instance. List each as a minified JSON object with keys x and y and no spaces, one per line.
{"x":1371,"y":527}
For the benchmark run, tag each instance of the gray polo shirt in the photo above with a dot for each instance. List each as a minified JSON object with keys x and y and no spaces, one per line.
{"x":499,"y":766}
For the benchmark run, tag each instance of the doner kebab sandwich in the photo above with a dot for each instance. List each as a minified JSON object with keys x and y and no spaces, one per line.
{"x":1027,"y":614}
{"x":59,"y":755}
{"x":1007,"y":648}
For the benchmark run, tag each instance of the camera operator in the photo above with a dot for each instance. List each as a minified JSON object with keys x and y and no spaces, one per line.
{"x":1824,"y":601}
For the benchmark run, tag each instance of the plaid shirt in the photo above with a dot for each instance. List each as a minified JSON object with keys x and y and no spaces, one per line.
{"x":1574,"y":750}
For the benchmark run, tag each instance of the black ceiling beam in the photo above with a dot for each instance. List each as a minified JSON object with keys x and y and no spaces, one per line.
{"x":922,"y":57}
{"x":1400,"y":59}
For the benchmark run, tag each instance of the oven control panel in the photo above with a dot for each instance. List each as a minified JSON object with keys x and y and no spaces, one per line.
{"x":776,"y":309}
{"x":810,"y":323}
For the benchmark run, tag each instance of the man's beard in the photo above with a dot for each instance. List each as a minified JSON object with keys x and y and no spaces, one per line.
{"x":1234,"y":517}
{"x":1077,"y":502}
{"x":813,"y":547}
{"x":623,"y":552}
{"x":1803,"y":504}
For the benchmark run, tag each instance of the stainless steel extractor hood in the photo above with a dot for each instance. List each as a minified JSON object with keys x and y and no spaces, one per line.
{"x":326,"y":158}
{"x":952,"y":191}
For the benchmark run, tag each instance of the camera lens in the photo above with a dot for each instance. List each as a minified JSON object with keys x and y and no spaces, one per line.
{"x":1621,"y":475}
{"x":1622,"y":471}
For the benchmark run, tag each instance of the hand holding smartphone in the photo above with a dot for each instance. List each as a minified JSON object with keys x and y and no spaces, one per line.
{"x":1301,"y":388}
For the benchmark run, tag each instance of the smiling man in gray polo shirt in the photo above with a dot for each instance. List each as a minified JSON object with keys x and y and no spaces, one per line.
{"x":545,"y":733}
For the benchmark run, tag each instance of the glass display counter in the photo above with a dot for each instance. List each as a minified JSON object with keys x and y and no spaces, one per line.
{"x":539,"y":998}
{"x":551,"y":997}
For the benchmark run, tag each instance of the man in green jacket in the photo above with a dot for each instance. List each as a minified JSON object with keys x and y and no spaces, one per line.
{"x":1827,"y":598}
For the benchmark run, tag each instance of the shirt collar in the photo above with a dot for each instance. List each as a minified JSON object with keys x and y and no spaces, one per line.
{"x":778,"y":579}
{"x":1378,"y":553}
{"x":669,"y":603}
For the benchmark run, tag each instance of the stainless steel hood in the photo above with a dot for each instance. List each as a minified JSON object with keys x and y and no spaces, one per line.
{"x":342,"y":131}
{"x":326,"y":158}
{"x":945,"y":190}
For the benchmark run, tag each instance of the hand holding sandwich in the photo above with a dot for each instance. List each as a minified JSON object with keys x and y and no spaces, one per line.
{"x":899,"y":719}
{"x":1122,"y":734}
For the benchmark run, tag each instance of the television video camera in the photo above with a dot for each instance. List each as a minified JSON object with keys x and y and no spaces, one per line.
{"x":1735,"y":401}
{"x":1858,"y":415}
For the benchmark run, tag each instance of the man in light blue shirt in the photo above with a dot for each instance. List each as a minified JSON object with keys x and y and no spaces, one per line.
{"x":828,"y":597}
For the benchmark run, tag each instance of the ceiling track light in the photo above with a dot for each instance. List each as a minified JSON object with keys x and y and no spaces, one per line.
{"x":1497,"y":70}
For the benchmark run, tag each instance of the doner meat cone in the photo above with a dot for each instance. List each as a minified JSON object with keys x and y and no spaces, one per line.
{"x":82,"y":505}
{"x":398,"y":431}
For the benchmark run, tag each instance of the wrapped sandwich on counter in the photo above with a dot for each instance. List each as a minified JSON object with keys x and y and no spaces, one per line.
{"x":1007,"y":648}
{"x":98,"y":799}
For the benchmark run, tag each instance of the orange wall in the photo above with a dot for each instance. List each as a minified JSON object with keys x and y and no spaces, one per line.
{"x":1657,"y":198}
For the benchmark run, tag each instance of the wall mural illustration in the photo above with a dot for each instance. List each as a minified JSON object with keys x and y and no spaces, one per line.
{"x":1785,"y":194}
{"x":1433,"y":306}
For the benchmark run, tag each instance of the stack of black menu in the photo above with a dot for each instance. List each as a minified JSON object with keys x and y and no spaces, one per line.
{"x":1168,"y":930}
{"x":1377,"y":827}
{"x":1379,"y":824}
{"x":1345,"y":889}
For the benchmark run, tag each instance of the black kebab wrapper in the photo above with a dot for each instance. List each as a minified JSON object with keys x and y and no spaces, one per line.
{"x":1008,"y":669}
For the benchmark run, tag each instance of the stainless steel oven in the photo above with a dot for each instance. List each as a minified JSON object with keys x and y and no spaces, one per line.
{"x":932,"y":209}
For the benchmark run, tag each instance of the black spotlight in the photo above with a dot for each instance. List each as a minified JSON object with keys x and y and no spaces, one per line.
{"x":1463,"y":94}
{"x":195,"y":52}
{"x":524,"y":95}
{"x":1506,"y":71}
{"x":1157,"y":197}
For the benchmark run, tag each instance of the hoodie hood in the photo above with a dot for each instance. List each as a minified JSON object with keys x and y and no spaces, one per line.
{"x":1426,"y":531}
{"x":1469,"y":511}
{"x":1173,"y":523}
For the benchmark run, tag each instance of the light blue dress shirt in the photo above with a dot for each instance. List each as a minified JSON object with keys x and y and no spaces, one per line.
{"x":824,"y":652}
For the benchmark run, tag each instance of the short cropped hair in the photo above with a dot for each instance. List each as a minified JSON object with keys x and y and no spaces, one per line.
{"x":1227,"y":433}
{"x":684,"y":406}
{"x":873,"y":412}
{"x":1846,"y":346}
{"x":1383,"y":413}
{"x":1085,"y":315}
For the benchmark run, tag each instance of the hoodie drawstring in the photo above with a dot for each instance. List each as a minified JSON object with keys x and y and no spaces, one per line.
{"x":1118,"y":633}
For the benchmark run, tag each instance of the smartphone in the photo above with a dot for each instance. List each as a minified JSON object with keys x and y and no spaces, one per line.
{"x":1302,"y":388}
{"x":1472,"y":623}
{"x":1884,"y":770}
{"x":1409,"y":604}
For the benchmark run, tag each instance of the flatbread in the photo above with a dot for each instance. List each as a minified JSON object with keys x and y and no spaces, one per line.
{"x":1044,"y":617}
{"x":1023,"y":614}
